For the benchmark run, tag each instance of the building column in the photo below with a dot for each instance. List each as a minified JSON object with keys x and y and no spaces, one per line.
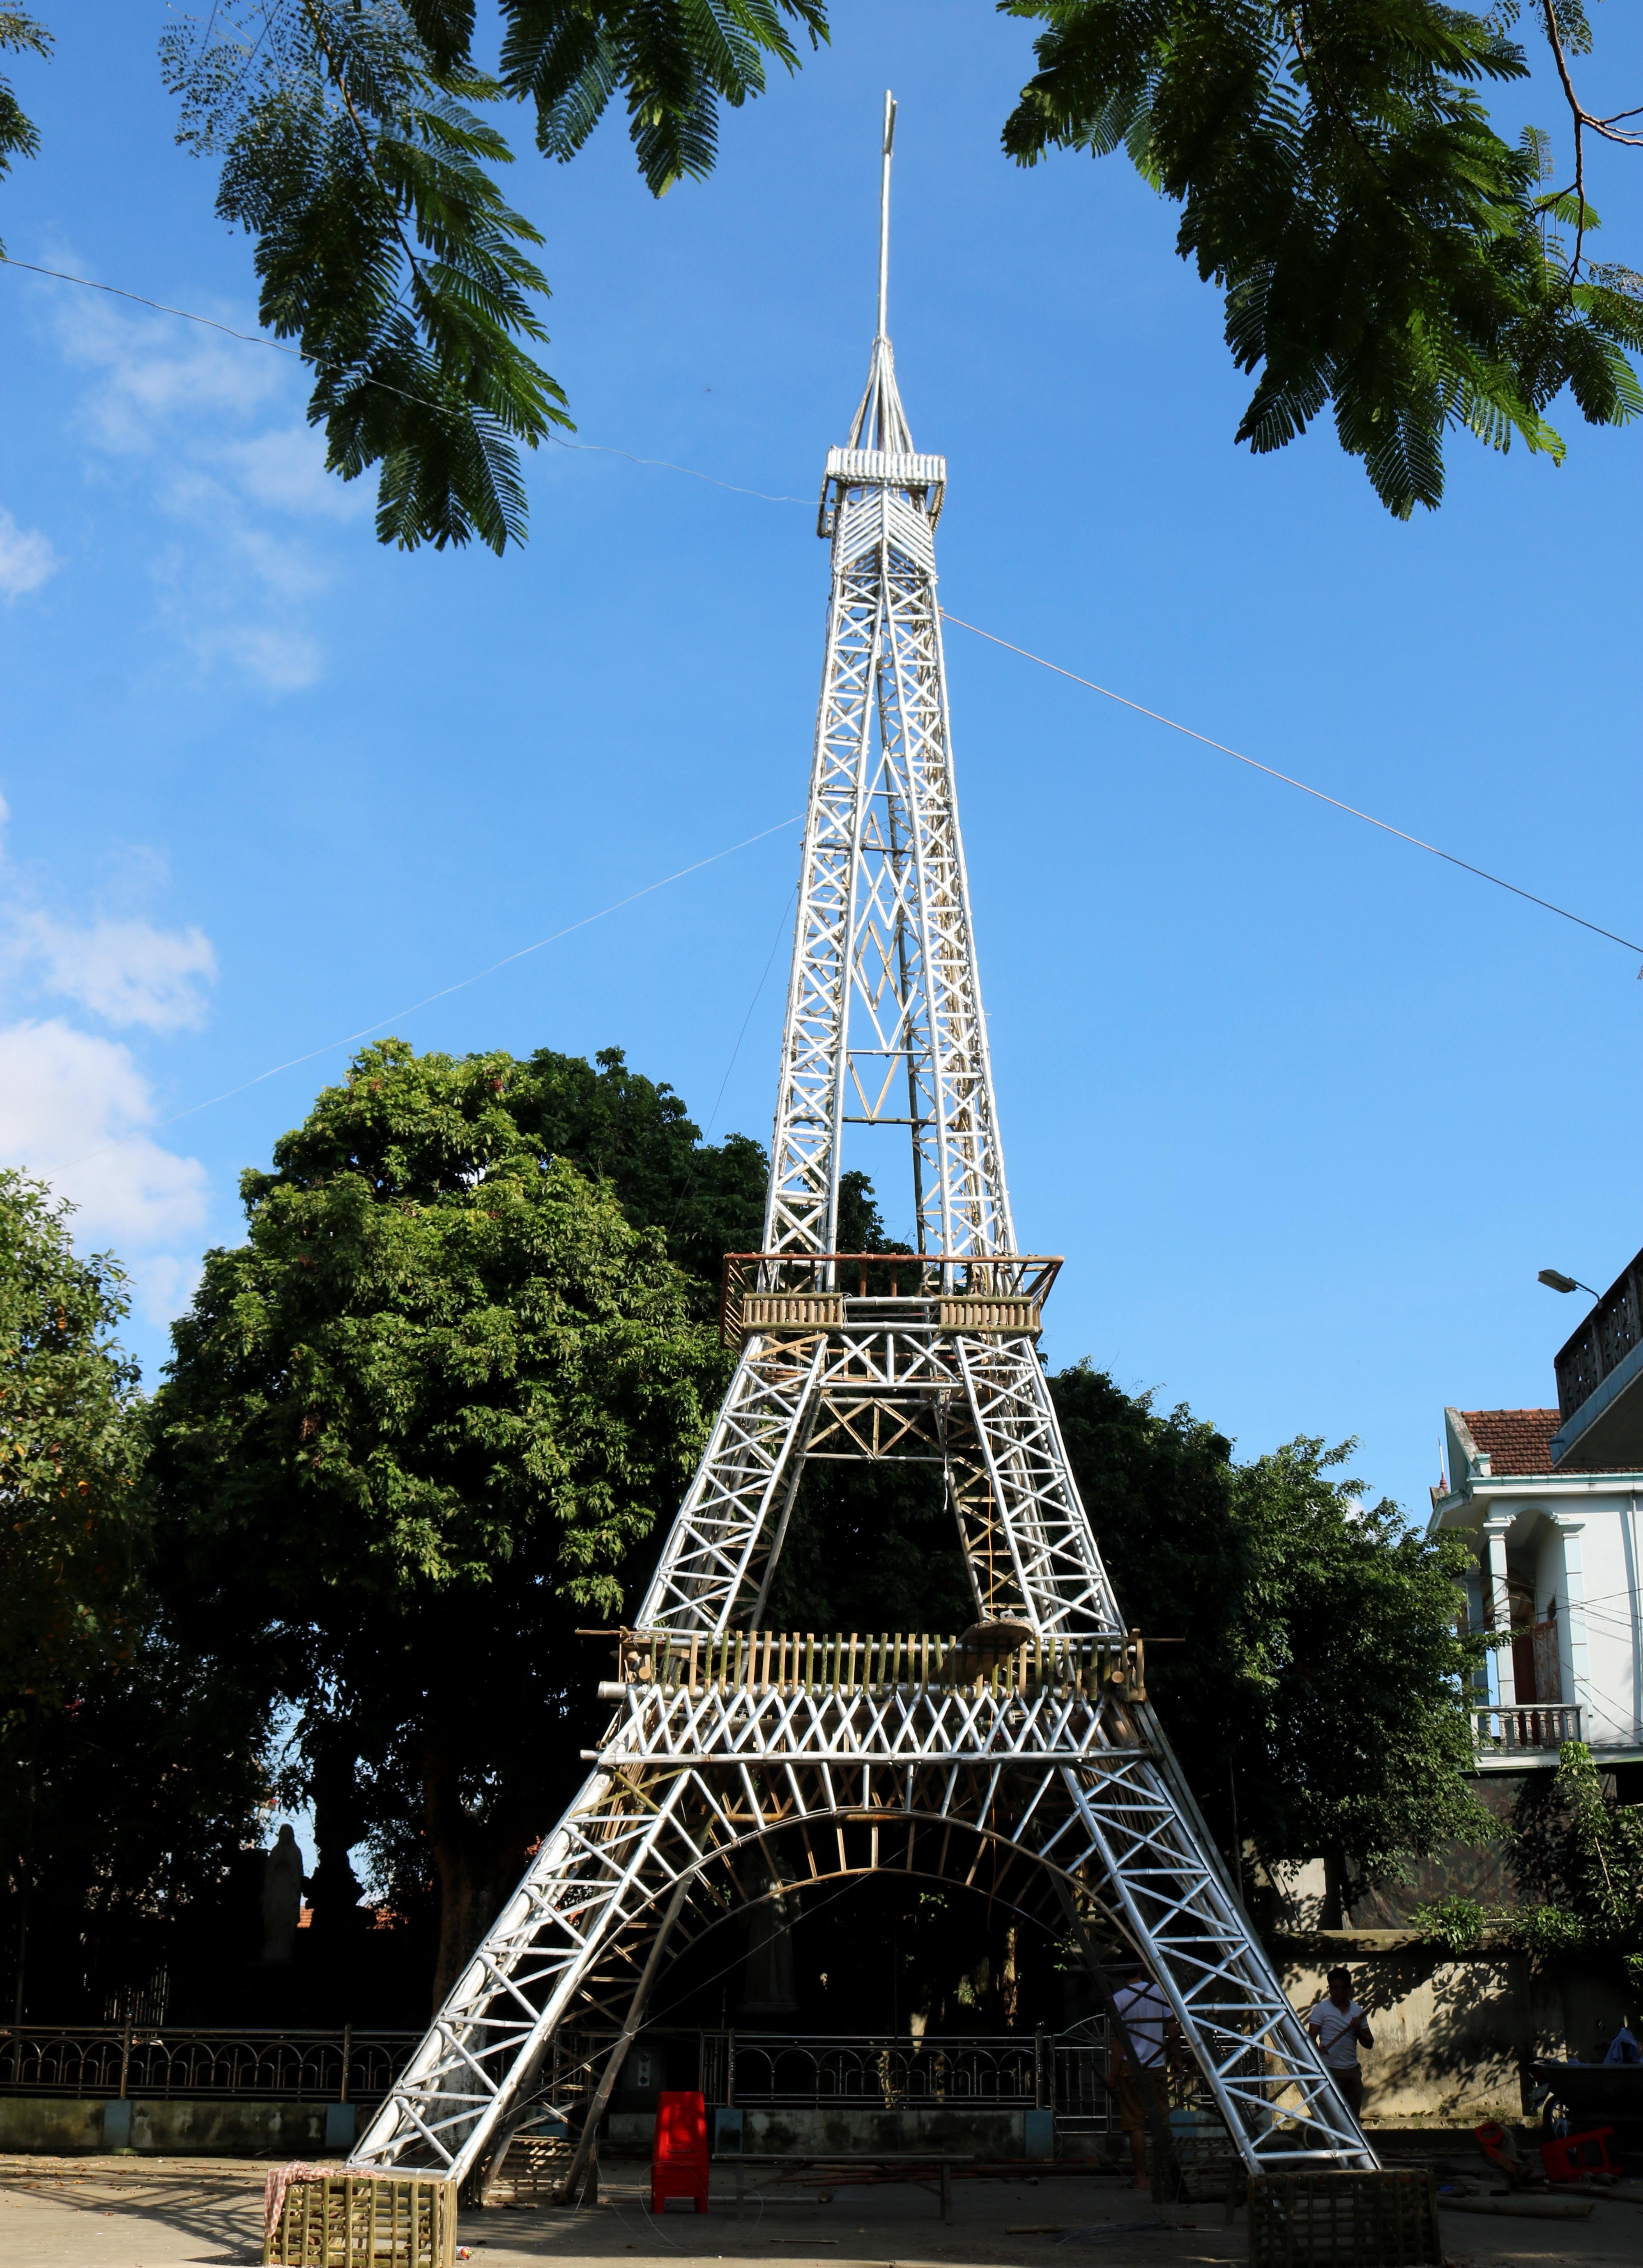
{"x":1502,"y":1680}
{"x":1569,"y":1525}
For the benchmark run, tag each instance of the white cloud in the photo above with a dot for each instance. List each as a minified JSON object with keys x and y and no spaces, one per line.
{"x":284,"y":660}
{"x":26,"y":558}
{"x":126,"y":972}
{"x":206,"y":430}
{"x":76,"y":1110}
{"x":287,"y":468}
{"x":150,"y":371}
{"x":163,"y":1284}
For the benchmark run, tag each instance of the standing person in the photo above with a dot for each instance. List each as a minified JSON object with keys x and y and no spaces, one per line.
{"x":1145,"y":2014}
{"x":1340,"y":2028}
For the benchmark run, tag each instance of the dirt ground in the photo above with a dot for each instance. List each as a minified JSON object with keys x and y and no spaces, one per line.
{"x":118,"y":2212}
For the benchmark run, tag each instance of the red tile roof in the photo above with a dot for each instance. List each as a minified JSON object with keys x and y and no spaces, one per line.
{"x":1514,"y":1441}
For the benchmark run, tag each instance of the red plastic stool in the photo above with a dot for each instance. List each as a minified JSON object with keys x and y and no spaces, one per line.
{"x":678,"y":2156}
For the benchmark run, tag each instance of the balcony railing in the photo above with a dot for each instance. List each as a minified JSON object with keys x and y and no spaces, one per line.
{"x":993,"y":1657}
{"x":133,"y":2059}
{"x":1600,"y":1344}
{"x":1532,"y":1726}
{"x":823,"y":1291}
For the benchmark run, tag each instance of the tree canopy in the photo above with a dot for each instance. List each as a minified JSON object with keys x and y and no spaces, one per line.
{"x":1384,"y":250}
{"x":420,"y":1426}
{"x":1574,"y":1856}
{"x":433,"y":1414}
{"x":129,"y":1778}
{"x":1318,"y":1705}
{"x":70,"y":1452}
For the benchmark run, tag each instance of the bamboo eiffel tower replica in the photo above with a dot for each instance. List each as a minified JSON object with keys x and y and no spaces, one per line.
{"x":1022,"y":1758}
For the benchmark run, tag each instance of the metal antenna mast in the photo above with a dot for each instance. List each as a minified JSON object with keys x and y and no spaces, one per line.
{"x":738,"y":1754}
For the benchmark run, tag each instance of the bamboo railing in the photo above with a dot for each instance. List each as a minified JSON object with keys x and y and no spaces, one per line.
{"x":853,"y":1662}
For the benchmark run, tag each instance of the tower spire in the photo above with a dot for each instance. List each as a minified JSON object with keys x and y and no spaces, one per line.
{"x":881,"y":423}
{"x":884,"y":216}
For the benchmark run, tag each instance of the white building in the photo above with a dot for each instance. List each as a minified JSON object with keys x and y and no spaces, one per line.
{"x":1557,"y":1537}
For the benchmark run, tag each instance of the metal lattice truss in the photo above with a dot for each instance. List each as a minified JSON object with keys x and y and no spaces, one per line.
{"x":1050,"y":1803}
{"x":884,"y":1023}
{"x":1043,"y":1787}
{"x":980,"y":1407}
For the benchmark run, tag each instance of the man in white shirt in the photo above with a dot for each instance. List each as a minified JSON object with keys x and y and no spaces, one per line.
{"x":1145,"y":2015}
{"x":1340,"y":2028}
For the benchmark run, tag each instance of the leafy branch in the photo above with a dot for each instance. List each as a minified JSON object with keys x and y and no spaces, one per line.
{"x":384,"y":249}
{"x":1381,"y":248}
{"x":1580,"y":1857}
{"x":20,"y":136}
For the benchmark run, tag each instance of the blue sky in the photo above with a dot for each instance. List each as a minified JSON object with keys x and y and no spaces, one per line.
{"x":1305,"y":1109}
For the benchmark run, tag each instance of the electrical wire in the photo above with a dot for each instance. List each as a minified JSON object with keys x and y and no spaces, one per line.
{"x":446,"y":991}
{"x":256,"y":339}
{"x":1367,"y":817}
{"x":423,"y":401}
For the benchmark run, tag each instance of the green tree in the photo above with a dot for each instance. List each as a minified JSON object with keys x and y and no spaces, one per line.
{"x":70,"y":1451}
{"x":125,"y":1781}
{"x":614,"y":1125}
{"x":416,"y":1429}
{"x":20,"y":138}
{"x":1321,"y":1681}
{"x":353,"y":151}
{"x":1379,"y":247}
{"x":1576,"y":1857}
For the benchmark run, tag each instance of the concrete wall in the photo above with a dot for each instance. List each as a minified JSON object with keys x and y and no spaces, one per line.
{"x":1453,"y":2038}
{"x":61,"y":2125}
{"x":940,"y":2128}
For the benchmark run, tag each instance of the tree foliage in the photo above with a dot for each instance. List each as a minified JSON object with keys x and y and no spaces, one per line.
{"x":127,"y":1777}
{"x":1322,"y":1681}
{"x":384,"y":248}
{"x":70,"y":1452}
{"x":1577,"y":1856}
{"x":20,"y":136}
{"x":1381,"y":247}
{"x":352,"y":150}
{"x":416,"y":1429}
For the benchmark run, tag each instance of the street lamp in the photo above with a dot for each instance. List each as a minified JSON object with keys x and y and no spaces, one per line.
{"x":1555,"y":1280}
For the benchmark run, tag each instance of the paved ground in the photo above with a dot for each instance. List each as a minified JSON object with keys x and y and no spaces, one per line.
{"x":89,"y":2212}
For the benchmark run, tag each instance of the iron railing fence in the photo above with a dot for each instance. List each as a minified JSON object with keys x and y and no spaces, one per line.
{"x":1065,"y":2072}
{"x":349,"y":2066}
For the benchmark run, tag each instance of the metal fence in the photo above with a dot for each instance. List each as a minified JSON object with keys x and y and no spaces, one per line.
{"x":132,"y":2059}
{"x":1001,"y":2072}
{"x":1061,"y":2072}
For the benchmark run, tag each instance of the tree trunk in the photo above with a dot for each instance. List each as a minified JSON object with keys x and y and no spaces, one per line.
{"x":476,"y":1863}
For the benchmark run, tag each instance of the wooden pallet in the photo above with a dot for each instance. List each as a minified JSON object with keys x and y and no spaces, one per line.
{"x":366,"y":2220}
{"x":1377,"y":2219}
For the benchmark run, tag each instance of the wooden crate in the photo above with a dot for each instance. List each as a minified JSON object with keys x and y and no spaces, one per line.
{"x":366,"y":2220}
{"x":1377,"y":2219}
{"x":532,"y":2170}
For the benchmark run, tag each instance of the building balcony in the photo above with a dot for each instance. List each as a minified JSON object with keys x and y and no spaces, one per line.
{"x":1600,"y":1384}
{"x":1531,"y":1728}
